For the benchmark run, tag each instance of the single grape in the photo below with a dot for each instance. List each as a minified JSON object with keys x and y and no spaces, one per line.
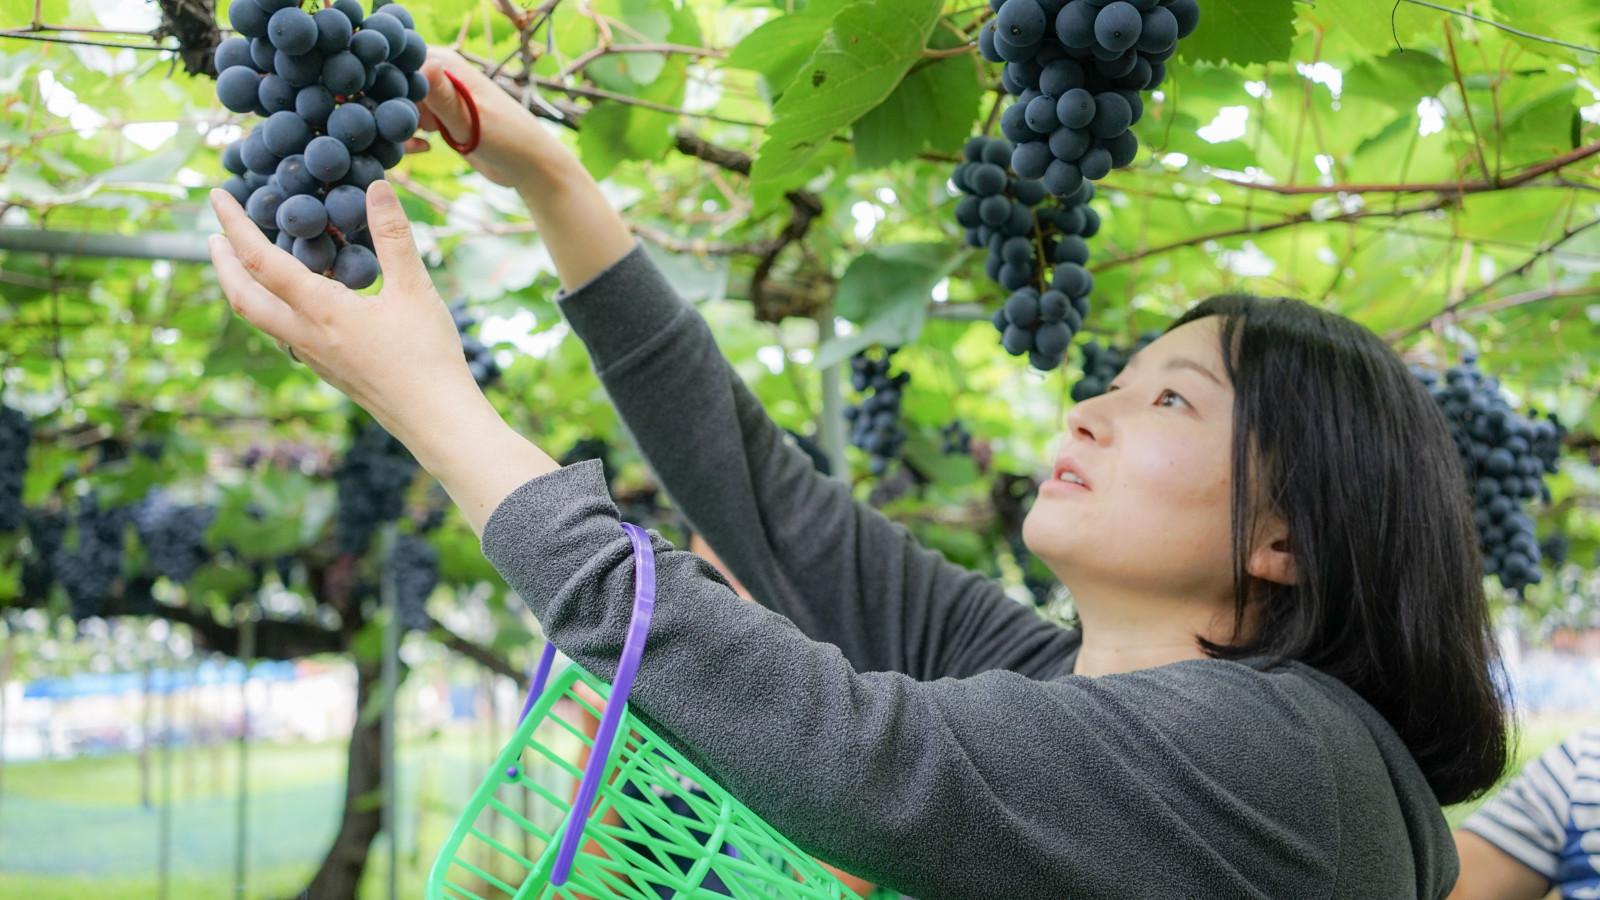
{"x":355,"y":267}
{"x":1030,"y":160}
{"x":1040,"y":114}
{"x":397,"y":119}
{"x":1061,"y":76}
{"x":370,"y":47}
{"x":347,"y":208}
{"x":1118,"y":26}
{"x":1112,"y":115}
{"x":236,"y":88}
{"x":262,"y":53}
{"x":354,"y":125}
{"x":364,"y":170}
{"x":292,"y":31}
{"x":232,"y":161}
{"x":276,"y":94}
{"x":388,"y":83}
{"x":234,"y":51}
{"x":333,"y":30}
{"x":1122,"y":149}
{"x":1022,"y":308}
{"x":342,"y":73}
{"x":285,"y":133}
{"x":418,"y":87}
{"x":1073,"y":280}
{"x":327,"y":158}
{"x":238,"y":188}
{"x":994,"y":210}
{"x":263,"y":206}
{"x":1076,"y":108}
{"x":1062,"y":177}
{"x":1187,"y":12}
{"x":316,"y":253}
{"x":314,"y":104}
{"x":392,"y":30}
{"x":1075,"y":25}
{"x":256,"y":155}
{"x":387,"y":153}
{"x":414,"y":54}
{"x":247,"y":18}
{"x":302,"y":216}
{"x":1021,"y":21}
{"x":1095,"y":164}
{"x":294,"y":178}
{"x":352,"y":10}
{"x":300,"y":71}
{"x":1072,"y":248}
{"x":398,"y":11}
{"x":1158,"y":30}
{"x":1016,"y":339}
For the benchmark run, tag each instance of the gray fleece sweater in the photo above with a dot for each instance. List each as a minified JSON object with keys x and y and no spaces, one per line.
{"x":898,"y":715}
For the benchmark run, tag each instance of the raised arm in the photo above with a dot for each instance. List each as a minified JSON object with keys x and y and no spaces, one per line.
{"x":798,"y":541}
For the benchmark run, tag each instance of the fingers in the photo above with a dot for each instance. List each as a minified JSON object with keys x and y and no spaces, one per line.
{"x":391,"y":240}
{"x":254,"y":303}
{"x":443,"y":106}
{"x":280,"y":273}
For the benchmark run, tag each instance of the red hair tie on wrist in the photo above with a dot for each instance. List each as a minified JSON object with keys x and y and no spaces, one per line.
{"x":471,"y":143}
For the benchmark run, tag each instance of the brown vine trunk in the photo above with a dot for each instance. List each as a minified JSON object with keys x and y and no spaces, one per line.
{"x":340,"y":873}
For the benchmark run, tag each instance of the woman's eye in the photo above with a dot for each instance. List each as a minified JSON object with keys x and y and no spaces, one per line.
{"x":1168,"y":392}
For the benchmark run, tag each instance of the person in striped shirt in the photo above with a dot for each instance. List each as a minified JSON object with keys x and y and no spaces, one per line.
{"x":1540,"y":834}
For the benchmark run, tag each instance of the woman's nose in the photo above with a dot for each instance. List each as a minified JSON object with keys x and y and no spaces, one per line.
{"x":1084,"y":422}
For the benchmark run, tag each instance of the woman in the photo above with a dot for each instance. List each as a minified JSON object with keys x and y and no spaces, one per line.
{"x":1284,"y":662}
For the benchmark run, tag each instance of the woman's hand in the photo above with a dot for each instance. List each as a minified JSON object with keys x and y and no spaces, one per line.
{"x":512,"y":144}
{"x":397,"y":354}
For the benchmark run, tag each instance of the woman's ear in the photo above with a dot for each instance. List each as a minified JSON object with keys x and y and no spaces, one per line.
{"x":1273,"y":558}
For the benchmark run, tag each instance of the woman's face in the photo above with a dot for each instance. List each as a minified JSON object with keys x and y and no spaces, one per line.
{"x":1155,"y":450}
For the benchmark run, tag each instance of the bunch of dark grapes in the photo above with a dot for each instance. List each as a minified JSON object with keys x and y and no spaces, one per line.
{"x":480,"y":359}
{"x":172,"y":534}
{"x":89,"y":568}
{"x":371,"y":481}
{"x":1507,"y":457}
{"x":955,"y":439}
{"x":998,"y":211}
{"x":16,"y":434}
{"x":47,"y":531}
{"x":875,"y":423}
{"x":591,"y":448}
{"x":1101,"y":365}
{"x":339,"y":90}
{"x":1555,"y":548}
{"x":414,"y":565}
{"x":1076,"y":69}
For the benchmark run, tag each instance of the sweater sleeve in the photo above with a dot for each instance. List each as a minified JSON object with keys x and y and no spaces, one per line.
{"x":798,"y":540}
{"x":994,"y":785}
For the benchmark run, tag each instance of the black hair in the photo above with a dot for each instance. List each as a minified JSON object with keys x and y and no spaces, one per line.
{"x":1334,"y":434}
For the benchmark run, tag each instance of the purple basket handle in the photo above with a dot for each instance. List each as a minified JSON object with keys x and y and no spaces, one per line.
{"x":644,"y":602}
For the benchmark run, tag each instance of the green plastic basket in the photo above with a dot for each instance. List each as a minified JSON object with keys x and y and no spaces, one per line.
{"x":523,"y":837}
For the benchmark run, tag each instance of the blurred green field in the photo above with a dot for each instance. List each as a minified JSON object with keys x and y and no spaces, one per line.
{"x":75,"y":829}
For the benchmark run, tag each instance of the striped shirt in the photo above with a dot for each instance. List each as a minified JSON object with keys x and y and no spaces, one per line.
{"x":1548,"y":816}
